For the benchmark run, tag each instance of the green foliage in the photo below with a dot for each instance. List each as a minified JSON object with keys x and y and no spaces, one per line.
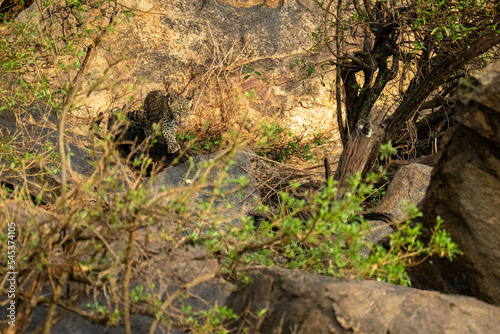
{"x":330,"y":240}
{"x":405,"y":246}
{"x":448,"y":22}
{"x":279,"y":144}
{"x":28,"y":51}
{"x":250,"y":71}
{"x":358,"y":88}
{"x":303,"y":65}
{"x":441,"y":242}
{"x":274,"y":142}
{"x":386,"y":150}
{"x":377,"y":194}
{"x":138,"y":294}
{"x":208,"y":143}
{"x":208,"y":321}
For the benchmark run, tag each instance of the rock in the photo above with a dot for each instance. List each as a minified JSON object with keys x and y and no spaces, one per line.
{"x":213,"y":40}
{"x":10,"y":9}
{"x":75,"y":324}
{"x":24,"y":217}
{"x":409,"y":185}
{"x":301,"y":302}
{"x":465,"y":191}
{"x":168,"y":268}
{"x":39,"y":125}
{"x":189,"y":173}
{"x":168,"y":273}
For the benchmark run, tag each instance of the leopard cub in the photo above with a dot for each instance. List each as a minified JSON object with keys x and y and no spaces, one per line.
{"x":169,"y":110}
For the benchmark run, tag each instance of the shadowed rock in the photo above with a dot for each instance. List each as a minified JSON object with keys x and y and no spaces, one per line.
{"x":465,"y":191}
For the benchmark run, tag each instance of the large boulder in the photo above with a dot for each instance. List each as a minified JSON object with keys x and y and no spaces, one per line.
{"x":213,"y":40}
{"x":33,"y":130}
{"x":465,"y":191}
{"x":229,"y":181}
{"x":408,"y":185}
{"x":168,"y":272}
{"x":301,"y":302}
{"x":159,"y":268}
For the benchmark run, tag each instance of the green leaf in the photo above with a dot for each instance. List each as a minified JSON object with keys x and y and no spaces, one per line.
{"x":447,"y":31}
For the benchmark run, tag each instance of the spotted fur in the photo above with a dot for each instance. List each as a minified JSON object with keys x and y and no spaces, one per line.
{"x":169,"y":111}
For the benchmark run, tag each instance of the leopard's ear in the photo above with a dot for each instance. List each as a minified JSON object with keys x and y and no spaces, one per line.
{"x":170,"y":100}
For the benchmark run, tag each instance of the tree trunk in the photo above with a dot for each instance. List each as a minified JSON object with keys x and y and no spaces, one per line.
{"x":361,"y":150}
{"x":358,"y":155}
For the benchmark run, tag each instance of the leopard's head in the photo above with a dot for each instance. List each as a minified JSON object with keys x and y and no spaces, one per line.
{"x":180,"y":107}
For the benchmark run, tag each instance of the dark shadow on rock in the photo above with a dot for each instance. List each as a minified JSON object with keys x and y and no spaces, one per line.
{"x":465,"y":192}
{"x":130,"y":136}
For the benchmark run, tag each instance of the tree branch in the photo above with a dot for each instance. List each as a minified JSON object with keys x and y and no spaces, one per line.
{"x":417,"y":94}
